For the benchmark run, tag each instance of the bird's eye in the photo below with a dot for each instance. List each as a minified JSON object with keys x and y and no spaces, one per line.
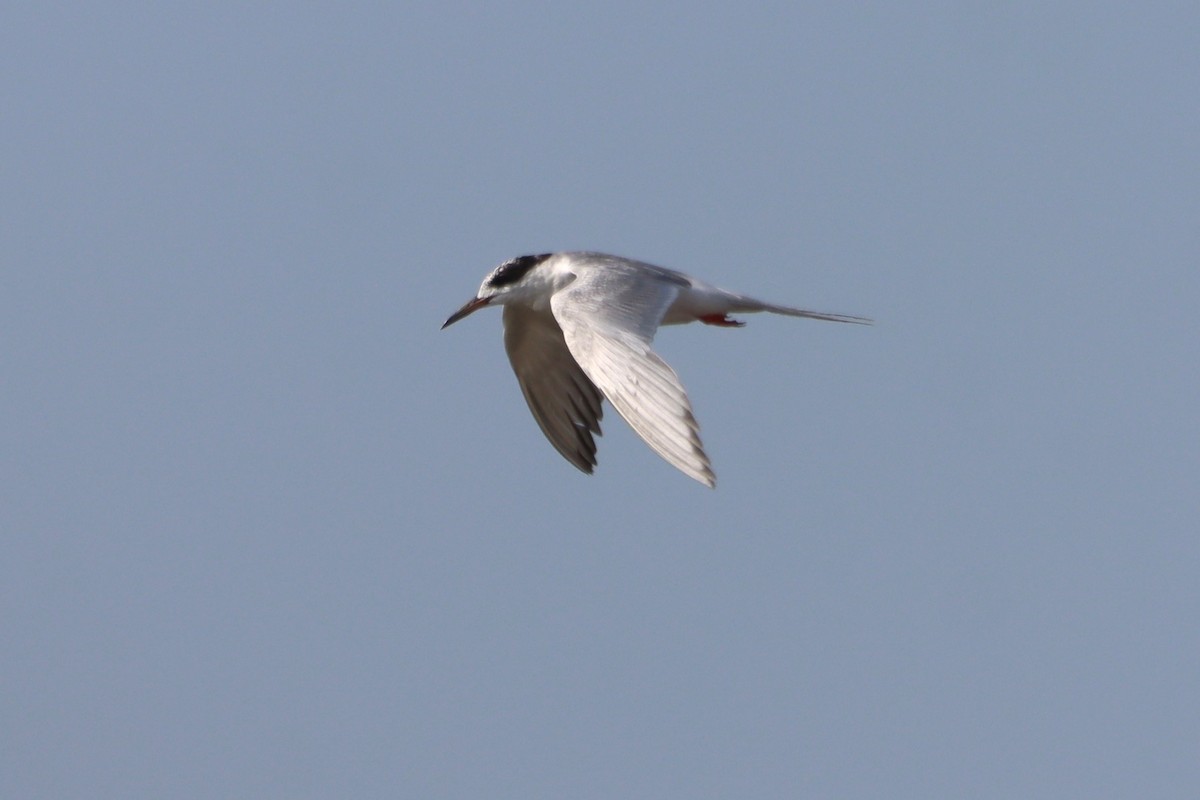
{"x":512,"y":271}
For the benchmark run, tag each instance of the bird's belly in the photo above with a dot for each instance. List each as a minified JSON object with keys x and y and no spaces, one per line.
{"x":691,"y":304}
{"x":674,"y":317}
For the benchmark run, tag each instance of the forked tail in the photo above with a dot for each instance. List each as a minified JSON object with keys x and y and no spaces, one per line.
{"x":800,"y":312}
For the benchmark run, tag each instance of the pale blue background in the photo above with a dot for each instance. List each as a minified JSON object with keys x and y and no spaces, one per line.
{"x":268,"y":532}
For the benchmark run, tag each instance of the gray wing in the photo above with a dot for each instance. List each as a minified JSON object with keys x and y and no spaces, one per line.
{"x":609,"y":315}
{"x":565,"y":403}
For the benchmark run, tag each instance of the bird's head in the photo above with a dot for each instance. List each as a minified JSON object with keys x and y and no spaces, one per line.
{"x":508,"y":282}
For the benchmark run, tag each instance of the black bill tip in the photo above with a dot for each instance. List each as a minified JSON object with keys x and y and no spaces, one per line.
{"x":471,"y":306}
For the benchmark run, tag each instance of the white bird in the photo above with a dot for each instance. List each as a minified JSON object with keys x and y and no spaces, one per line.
{"x":578,"y":328}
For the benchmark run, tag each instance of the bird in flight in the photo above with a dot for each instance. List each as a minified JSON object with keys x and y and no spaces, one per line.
{"x":578,"y":328}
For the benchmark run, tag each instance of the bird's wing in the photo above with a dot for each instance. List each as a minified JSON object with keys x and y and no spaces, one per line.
{"x":565,"y":403}
{"x":609,"y":315}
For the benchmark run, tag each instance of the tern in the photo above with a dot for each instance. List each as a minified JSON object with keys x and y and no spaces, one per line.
{"x":578,"y":328}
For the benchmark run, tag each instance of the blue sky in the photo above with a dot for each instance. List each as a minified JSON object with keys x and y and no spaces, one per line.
{"x":268,"y":531}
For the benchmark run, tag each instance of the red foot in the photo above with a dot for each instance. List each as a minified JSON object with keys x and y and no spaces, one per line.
{"x":720,"y":319}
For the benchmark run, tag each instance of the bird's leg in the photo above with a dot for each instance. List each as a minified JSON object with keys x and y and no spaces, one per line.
{"x":720,"y":319}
